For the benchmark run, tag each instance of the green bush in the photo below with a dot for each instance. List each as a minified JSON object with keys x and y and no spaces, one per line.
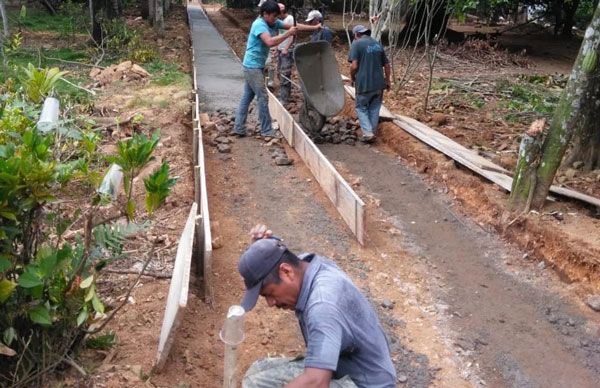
{"x":51,"y":256}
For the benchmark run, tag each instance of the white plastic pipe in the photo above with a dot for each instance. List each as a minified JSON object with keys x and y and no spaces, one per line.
{"x":112,"y":181}
{"x":232,"y":334}
{"x":49,"y":116}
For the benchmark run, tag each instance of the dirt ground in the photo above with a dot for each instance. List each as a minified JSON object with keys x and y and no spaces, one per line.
{"x":437,"y":332}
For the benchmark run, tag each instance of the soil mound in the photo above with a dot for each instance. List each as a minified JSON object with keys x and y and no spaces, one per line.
{"x":124,"y":71}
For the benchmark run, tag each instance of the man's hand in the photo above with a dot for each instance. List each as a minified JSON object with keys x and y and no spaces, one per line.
{"x":312,"y":377}
{"x":259,"y":232}
{"x":292,"y":31}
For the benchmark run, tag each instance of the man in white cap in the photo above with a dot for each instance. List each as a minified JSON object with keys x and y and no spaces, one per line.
{"x":315,"y":17}
{"x":285,"y":59}
{"x":368,"y":62}
{"x":345,"y":344}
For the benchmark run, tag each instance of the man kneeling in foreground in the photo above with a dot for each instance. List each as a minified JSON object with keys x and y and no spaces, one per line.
{"x":345,"y":344}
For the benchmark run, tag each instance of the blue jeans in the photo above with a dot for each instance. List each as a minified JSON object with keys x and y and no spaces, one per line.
{"x":254,"y":85}
{"x":367,"y":110}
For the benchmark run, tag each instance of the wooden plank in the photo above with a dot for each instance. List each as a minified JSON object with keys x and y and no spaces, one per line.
{"x":475,"y":162}
{"x":346,"y":201}
{"x":178,"y":290}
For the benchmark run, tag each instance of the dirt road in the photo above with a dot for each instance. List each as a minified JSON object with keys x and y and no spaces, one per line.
{"x":497,"y":320}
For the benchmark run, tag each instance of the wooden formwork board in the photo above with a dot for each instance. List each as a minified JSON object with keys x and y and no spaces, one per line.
{"x":178,"y":289}
{"x":346,"y":201}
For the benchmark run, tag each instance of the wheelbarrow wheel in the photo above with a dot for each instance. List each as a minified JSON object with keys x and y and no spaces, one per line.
{"x":311,"y":120}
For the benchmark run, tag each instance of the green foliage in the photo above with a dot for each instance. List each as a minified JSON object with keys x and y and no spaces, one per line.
{"x":39,"y":82}
{"x":68,"y":20}
{"x":133,"y":155}
{"x":158,"y":187}
{"x":102,"y":342}
{"x":48,"y":290}
{"x":13,"y":43}
{"x":166,"y":74}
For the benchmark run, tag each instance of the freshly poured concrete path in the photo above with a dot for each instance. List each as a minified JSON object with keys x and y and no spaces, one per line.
{"x":218,"y":71}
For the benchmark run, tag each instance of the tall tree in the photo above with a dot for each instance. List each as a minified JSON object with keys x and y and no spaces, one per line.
{"x":577,"y":111}
{"x":4,"y":22}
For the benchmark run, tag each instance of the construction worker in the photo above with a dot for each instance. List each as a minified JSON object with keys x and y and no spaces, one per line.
{"x":264,"y":33}
{"x":368,"y":62}
{"x":315,"y":17}
{"x":285,"y":59}
{"x":345,"y":344}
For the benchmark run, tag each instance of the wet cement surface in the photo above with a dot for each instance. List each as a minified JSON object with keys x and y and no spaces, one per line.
{"x":520,"y":334}
{"x":218,"y":71}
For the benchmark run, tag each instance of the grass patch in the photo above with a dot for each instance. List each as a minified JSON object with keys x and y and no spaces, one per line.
{"x":164,"y":74}
{"x":71,"y":21}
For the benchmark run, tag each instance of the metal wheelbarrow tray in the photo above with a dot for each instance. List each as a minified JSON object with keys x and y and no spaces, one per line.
{"x":321,"y":83}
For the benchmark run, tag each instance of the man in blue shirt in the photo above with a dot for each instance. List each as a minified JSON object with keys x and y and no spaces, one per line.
{"x":345,"y":344}
{"x":368,"y":62}
{"x":264,"y":33}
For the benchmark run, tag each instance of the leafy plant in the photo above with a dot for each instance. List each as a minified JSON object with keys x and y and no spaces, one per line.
{"x":158,"y":187}
{"x":39,"y":82}
{"x":101,"y":342}
{"x":133,"y":155}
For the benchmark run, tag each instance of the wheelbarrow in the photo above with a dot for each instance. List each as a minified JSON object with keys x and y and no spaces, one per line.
{"x":320,"y":82}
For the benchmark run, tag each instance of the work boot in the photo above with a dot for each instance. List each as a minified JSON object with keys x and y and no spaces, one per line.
{"x":368,"y":138}
{"x":238,"y":134}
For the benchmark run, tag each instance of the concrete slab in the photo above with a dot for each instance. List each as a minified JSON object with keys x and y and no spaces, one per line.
{"x":219,"y":72}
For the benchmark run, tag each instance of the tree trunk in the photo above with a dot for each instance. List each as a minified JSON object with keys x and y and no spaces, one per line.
{"x":159,"y":21}
{"x":167,"y":6}
{"x":4,"y":22}
{"x":152,"y":11}
{"x":576,"y":109}
{"x":145,"y":9}
{"x":525,"y":173}
{"x":557,"y":9}
{"x":570,"y":9}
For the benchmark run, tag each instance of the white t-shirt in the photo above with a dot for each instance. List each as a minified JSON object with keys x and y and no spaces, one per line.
{"x":289,"y":19}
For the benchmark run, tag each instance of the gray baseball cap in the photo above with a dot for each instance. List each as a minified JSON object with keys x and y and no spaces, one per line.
{"x":254,"y":266}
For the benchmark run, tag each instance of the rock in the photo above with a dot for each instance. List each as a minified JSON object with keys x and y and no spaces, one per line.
{"x":223,"y":140}
{"x":223,"y":148}
{"x":273,"y":142}
{"x":95,"y":72}
{"x":350,"y":141}
{"x":439,"y":118}
{"x":124,"y":66}
{"x":593,"y":301}
{"x":541,"y":265}
{"x":143,"y":73}
{"x":209,"y":126}
{"x":570,"y":173}
{"x":402,"y":378}
{"x":167,"y":141}
{"x":217,"y":243}
{"x":552,"y":318}
{"x":388,"y":304}
{"x":225,"y":157}
{"x":336,"y":138}
{"x":265,"y":341}
{"x":283,"y":161}
{"x":578,"y":164}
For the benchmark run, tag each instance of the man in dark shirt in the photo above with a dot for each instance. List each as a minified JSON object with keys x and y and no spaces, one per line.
{"x":368,"y":61}
{"x":314,"y":18}
{"x":345,"y":344}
